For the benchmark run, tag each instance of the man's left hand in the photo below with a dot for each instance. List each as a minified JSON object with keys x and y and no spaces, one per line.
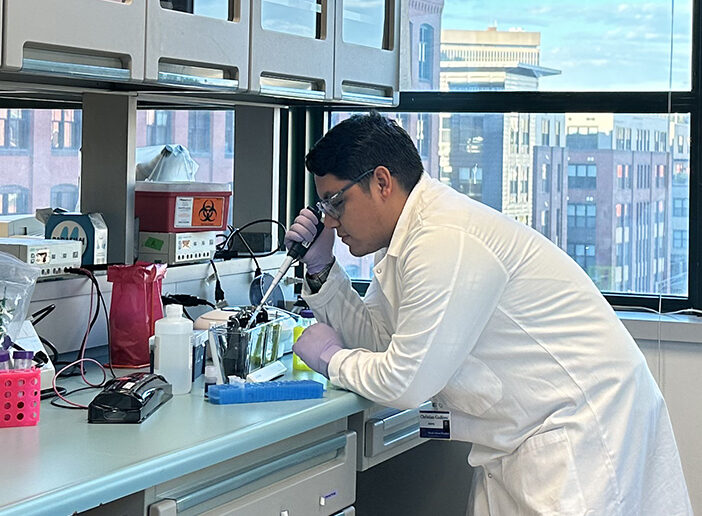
{"x":317,"y":345}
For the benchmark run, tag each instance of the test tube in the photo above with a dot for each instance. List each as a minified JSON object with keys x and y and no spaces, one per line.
{"x":23,"y":359}
{"x":4,"y":360}
{"x":210,"y":377}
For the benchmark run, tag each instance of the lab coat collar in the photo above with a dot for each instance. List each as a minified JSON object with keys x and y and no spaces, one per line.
{"x":408,"y":217}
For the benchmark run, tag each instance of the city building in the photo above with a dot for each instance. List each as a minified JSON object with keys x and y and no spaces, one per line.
{"x":615,"y":197}
{"x":490,"y":156}
{"x":37,"y":143}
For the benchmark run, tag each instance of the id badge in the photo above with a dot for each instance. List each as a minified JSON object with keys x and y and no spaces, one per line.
{"x":435,"y":424}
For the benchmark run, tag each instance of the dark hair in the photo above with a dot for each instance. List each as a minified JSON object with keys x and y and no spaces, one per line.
{"x":363,"y":142}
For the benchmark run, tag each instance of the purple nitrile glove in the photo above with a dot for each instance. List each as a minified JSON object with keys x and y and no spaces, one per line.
{"x":319,"y":255}
{"x":317,"y":345}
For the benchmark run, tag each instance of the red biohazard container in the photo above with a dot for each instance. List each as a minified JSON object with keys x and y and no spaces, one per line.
{"x":180,"y":207}
{"x":20,"y":396}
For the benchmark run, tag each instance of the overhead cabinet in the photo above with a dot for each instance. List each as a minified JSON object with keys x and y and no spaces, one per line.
{"x":198,"y":43}
{"x":79,"y":38}
{"x":367,"y":51}
{"x":292,"y":48}
{"x":326,"y":50}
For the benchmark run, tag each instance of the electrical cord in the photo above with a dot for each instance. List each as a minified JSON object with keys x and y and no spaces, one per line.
{"x":39,"y":315}
{"x":220,"y":300}
{"x":82,"y":360}
{"x":52,"y":348}
{"x":185,"y":300}
{"x":224,"y":249}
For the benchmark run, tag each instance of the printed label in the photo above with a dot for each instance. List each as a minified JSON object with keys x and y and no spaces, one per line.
{"x":434,"y":424}
{"x":208,"y":211}
{"x":183,"y":212}
{"x":154,"y":243}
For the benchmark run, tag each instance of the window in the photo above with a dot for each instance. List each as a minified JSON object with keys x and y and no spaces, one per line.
{"x":660,"y":176}
{"x":680,"y":239}
{"x":425,"y":52}
{"x":582,"y":216}
{"x":14,"y":129}
{"x":623,"y":177}
{"x":476,"y":158}
{"x":634,"y":47}
{"x":38,"y":152}
{"x":14,"y":199}
{"x":643,"y":176}
{"x":64,"y":196}
{"x":584,"y":255}
{"x":199,"y":132}
{"x":158,"y":127}
{"x":582,"y":176}
{"x":545,"y":178}
{"x":546,"y":223}
{"x":545,"y":131}
{"x":680,"y":207}
{"x":65,"y":129}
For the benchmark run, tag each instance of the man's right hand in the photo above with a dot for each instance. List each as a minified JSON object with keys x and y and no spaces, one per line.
{"x":303,"y":229}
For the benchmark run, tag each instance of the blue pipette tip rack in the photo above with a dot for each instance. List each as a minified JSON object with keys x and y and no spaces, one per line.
{"x":265,"y":391}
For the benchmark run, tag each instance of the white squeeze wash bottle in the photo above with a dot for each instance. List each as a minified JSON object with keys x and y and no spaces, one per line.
{"x":173,"y":349}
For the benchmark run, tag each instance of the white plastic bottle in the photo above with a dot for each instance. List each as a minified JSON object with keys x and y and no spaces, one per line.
{"x":173,"y":349}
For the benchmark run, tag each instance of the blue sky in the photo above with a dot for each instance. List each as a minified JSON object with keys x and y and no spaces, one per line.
{"x":598,"y":45}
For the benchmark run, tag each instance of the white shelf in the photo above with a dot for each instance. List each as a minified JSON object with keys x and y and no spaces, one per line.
{"x":101,"y":39}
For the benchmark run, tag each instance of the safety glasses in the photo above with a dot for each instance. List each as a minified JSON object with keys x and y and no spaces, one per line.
{"x":334,"y":204}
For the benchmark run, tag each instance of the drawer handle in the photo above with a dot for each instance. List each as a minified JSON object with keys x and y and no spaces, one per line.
{"x":383,"y":434}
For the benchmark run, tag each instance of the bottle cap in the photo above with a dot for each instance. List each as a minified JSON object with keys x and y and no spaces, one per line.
{"x":4,"y":355}
{"x":174,"y":310}
{"x":210,"y":371}
{"x":307,"y":313}
{"x":22,"y":354}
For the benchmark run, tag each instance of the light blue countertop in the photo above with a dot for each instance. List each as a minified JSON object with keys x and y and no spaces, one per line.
{"x":64,"y":464}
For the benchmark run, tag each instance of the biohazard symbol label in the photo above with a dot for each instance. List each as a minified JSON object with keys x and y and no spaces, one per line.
{"x":207,"y":211}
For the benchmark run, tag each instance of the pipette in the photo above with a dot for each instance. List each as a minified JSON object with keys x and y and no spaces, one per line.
{"x":296,"y":252}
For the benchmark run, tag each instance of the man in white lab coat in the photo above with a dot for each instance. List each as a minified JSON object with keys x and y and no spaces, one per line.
{"x":491,"y":321}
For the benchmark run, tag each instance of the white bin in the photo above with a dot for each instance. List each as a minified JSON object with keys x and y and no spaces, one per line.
{"x":292,"y":48}
{"x":198,"y":50}
{"x":367,"y":52}
{"x":77,"y":38}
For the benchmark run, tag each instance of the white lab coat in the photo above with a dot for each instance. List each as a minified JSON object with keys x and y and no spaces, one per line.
{"x":498,"y":325}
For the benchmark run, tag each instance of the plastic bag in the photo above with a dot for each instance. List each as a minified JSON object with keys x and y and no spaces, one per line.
{"x":135,"y":307}
{"x":17,"y":281}
{"x":163,"y":163}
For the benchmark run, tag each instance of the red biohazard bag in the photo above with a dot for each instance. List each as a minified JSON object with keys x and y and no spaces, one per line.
{"x":135,"y":307}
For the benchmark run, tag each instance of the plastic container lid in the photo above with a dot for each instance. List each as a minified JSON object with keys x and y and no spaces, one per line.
{"x":174,"y":310}
{"x":23,"y":354}
{"x":307,"y":313}
{"x":4,"y":355}
{"x":180,"y":186}
{"x":211,"y":372}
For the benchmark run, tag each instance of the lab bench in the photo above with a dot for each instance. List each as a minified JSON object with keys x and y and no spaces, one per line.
{"x":189,"y":457}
